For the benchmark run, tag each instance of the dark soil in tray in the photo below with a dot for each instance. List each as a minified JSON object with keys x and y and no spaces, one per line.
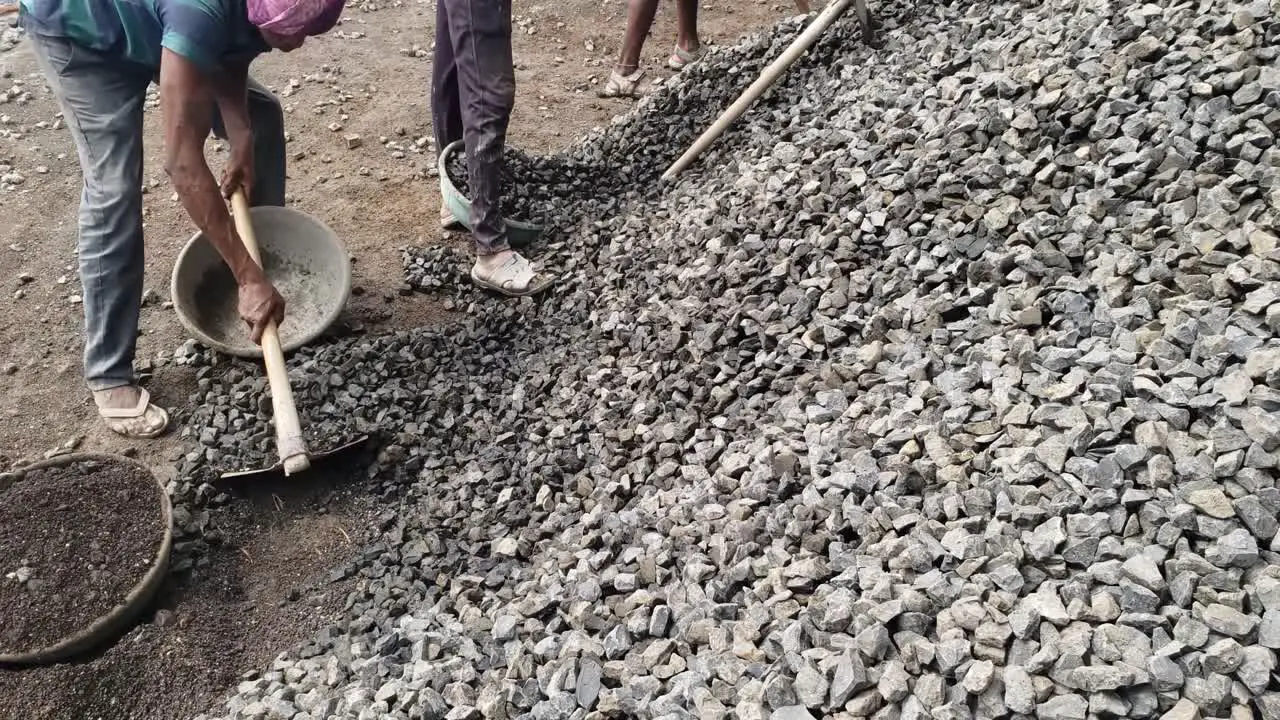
{"x":264,"y":589}
{"x":73,"y":542}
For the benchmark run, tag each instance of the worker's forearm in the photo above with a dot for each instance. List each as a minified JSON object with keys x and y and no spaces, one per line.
{"x":200,"y":196}
{"x":231,"y":93}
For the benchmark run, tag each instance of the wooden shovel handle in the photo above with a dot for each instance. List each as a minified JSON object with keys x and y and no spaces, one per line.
{"x":766,"y":79}
{"x":289,"y":442}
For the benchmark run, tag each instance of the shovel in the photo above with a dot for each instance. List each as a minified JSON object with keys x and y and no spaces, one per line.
{"x":291,"y":447}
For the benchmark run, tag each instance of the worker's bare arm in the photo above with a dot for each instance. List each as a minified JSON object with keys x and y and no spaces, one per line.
{"x":231,"y":93}
{"x":187,"y":101}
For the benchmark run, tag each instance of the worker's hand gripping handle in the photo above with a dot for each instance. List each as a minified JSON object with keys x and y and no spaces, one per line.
{"x":289,"y":443}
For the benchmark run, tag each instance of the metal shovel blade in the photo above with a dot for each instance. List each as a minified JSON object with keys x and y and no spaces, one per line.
{"x":278,"y":468}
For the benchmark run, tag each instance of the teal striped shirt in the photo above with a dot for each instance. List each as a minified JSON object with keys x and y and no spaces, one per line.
{"x":206,"y":32}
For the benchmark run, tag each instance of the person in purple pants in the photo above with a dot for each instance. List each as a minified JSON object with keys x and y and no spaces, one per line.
{"x":473,"y":91}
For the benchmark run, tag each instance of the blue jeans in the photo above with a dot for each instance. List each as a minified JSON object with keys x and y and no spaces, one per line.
{"x":102,"y":99}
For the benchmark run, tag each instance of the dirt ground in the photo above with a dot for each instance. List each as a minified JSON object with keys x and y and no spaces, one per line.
{"x":371,"y":77}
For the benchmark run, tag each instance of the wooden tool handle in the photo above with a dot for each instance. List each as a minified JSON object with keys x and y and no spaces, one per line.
{"x":289,"y":442}
{"x":767,"y":78}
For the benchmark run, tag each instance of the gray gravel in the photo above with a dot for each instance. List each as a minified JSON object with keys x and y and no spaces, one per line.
{"x":943,"y":386}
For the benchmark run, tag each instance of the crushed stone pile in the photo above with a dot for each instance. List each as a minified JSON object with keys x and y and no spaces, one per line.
{"x":945,"y":385}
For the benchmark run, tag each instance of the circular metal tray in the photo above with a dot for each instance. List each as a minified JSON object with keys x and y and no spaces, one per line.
{"x":80,"y":640}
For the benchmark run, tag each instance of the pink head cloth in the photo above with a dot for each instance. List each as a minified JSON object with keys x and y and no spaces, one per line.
{"x":295,"y":18}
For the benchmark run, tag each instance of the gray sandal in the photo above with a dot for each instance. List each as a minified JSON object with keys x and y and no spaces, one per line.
{"x":681,"y":57}
{"x":623,"y":86}
{"x":141,"y":422}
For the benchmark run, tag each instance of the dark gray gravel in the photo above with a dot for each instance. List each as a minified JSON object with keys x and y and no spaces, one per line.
{"x":943,"y":386}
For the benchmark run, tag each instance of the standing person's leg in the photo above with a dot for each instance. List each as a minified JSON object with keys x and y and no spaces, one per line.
{"x":481,"y":33}
{"x":102,"y":103}
{"x":270,"y":158}
{"x":446,"y":103}
{"x":270,"y":163}
{"x":640,"y":15}
{"x":688,"y":48}
{"x":625,"y":79}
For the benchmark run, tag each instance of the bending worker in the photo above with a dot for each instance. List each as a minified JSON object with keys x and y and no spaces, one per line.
{"x":473,"y":90}
{"x":99,"y":56}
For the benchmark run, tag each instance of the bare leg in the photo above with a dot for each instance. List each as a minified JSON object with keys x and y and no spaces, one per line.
{"x":640,"y":14}
{"x":687,"y":25}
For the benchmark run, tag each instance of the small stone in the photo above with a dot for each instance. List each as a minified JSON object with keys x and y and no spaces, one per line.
{"x":1165,"y":673}
{"x":506,"y":547}
{"x":1100,"y":678}
{"x":1063,"y":707}
{"x":1269,"y":630}
{"x":1223,"y":656}
{"x":979,"y":677}
{"x":1262,"y":361}
{"x":1235,"y":549}
{"x":810,"y":686}
{"x":850,"y":677}
{"x":1019,"y":690}
{"x":1211,"y":693}
{"x":1257,"y":518}
{"x":1184,"y":709}
{"x":588,"y":686}
{"x":895,"y":684}
{"x":1212,"y":502}
{"x":1228,"y":621}
{"x":1256,"y":666}
{"x":874,"y":641}
{"x":1234,"y":388}
{"x":791,"y":712}
{"x":1191,"y":632}
{"x":1142,"y":570}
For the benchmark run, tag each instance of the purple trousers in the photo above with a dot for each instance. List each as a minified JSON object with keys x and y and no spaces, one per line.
{"x":473,"y":91}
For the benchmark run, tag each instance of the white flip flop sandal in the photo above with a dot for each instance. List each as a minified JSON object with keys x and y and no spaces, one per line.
{"x":514,"y":279}
{"x":142,"y":411}
{"x":681,"y":58}
{"x":624,"y":86}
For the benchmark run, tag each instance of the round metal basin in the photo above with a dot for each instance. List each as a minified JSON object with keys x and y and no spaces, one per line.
{"x":301,"y":256}
{"x":519,"y":233}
